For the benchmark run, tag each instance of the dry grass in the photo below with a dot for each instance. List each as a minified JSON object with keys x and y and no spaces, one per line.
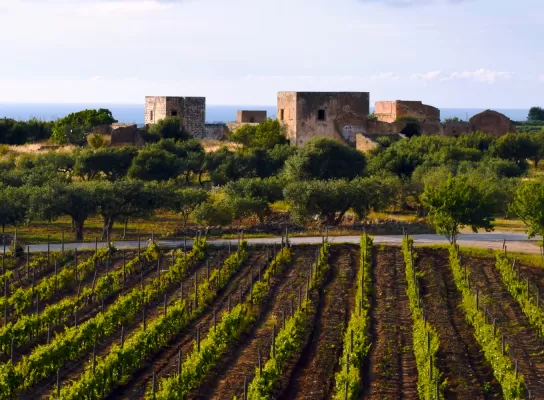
{"x":210,"y":145}
{"x":35,"y":148}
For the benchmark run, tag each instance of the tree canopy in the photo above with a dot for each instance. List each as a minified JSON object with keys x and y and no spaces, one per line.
{"x":536,"y":114}
{"x":74,"y":127}
{"x":528,"y":205}
{"x":265,"y":135}
{"x":325,"y":159}
{"x":456,"y":203}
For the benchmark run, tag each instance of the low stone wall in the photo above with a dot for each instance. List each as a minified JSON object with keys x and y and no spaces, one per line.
{"x":215,"y":131}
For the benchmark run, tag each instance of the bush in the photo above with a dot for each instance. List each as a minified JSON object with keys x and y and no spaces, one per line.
{"x":97,"y":141}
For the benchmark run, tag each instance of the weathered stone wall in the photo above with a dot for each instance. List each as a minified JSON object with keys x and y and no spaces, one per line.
{"x":287,"y":114}
{"x":215,"y":131}
{"x":380,"y":127}
{"x":155,"y":109}
{"x":336,"y":115}
{"x":341,"y":110}
{"x":125,"y":134}
{"x":491,"y":122}
{"x":250,"y":116}
{"x":194,"y":117}
{"x":452,"y":128}
{"x":391,"y":111}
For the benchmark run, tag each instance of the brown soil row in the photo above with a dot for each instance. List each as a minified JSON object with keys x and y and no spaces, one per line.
{"x":460,"y":358}
{"x":314,"y":377}
{"x":164,"y":362}
{"x":227,"y":378}
{"x":73,"y":368}
{"x":392,"y":369}
{"x":522,"y":339}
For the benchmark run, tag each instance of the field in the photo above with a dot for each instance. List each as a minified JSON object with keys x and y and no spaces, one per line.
{"x":305,"y":322}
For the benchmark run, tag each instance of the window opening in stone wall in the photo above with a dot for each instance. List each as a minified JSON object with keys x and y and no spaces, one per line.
{"x":282,"y":113}
{"x":321,"y":115}
{"x":252,"y":119}
{"x":174,"y":113}
{"x":151,"y":115}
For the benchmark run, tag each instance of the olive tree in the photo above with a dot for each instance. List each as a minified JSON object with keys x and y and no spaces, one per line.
{"x":528,"y":205}
{"x":456,"y":203}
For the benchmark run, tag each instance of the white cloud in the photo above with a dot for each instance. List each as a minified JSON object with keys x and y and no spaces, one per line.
{"x":385,"y":76}
{"x":428,"y":76}
{"x":541,"y":78}
{"x":480,"y":75}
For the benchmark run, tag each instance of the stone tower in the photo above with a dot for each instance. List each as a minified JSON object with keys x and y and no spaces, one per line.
{"x":191,"y":111}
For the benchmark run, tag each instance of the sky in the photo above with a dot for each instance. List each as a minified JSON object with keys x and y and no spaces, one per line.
{"x":447,"y":53}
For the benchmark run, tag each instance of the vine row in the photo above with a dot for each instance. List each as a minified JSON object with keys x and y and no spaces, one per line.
{"x":356,"y":338}
{"x":425,"y":338}
{"x":486,"y":334}
{"x":291,"y":337}
{"x":104,"y":374}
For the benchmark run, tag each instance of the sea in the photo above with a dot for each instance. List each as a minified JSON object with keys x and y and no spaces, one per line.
{"x":134,"y":113}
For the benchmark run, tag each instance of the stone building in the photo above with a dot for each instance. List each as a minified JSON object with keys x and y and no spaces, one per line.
{"x":336,"y":115}
{"x":393,"y":111}
{"x":191,"y":111}
{"x":491,"y":122}
{"x":247,"y":117}
{"x":250,"y":116}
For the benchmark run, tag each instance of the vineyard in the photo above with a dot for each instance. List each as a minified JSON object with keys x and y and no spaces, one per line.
{"x":271,"y":322}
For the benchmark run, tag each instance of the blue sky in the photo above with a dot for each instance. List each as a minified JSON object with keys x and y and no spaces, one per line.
{"x":448,"y":53}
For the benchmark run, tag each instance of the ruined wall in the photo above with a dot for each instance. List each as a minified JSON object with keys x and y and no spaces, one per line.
{"x":491,"y":122}
{"x":287,"y":114}
{"x":250,"y":116}
{"x":215,"y":131}
{"x":125,"y":134}
{"x":390,"y":111}
{"x":452,"y":128}
{"x":336,"y":115}
{"x":194,"y":116}
{"x":155,"y":109}
{"x":380,"y":127}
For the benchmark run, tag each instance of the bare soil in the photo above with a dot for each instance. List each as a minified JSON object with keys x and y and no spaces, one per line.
{"x":392,"y":369}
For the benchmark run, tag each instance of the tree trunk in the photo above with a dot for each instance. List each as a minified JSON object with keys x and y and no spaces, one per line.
{"x":107,"y":227}
{"x":78,"y":225}
{"x":125,"y":228}
{"x":330,"y":219}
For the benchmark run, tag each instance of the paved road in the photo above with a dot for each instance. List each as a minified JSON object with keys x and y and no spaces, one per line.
{"x":494,"y":240}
